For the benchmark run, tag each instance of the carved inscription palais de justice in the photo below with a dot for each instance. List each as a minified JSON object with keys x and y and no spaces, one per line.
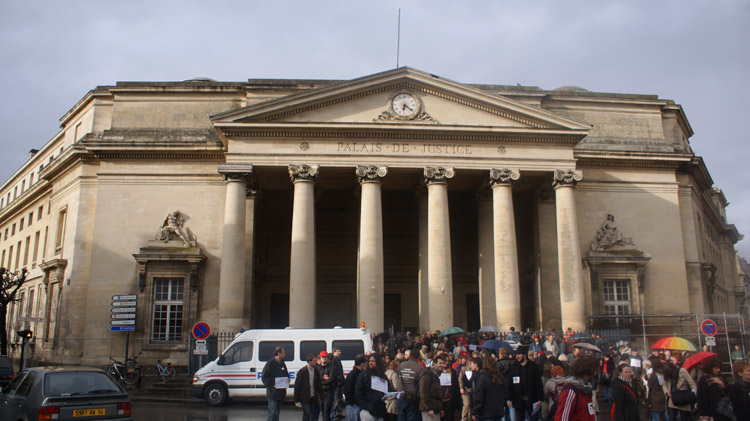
{"x":426,"y":148}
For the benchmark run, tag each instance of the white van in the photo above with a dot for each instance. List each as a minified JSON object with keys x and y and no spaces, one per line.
{"x":236,"y":372}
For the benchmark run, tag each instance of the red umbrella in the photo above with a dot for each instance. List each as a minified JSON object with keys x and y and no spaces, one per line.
{"x":697,"y":358}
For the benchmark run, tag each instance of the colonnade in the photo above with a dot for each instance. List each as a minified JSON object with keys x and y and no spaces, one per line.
{"x":498,"y":261}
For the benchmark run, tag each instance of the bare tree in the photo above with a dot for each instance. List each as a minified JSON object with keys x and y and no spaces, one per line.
{"x":10,"y":283}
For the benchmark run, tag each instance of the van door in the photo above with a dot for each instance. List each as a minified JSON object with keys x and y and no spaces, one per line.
{"x":237,"y":368}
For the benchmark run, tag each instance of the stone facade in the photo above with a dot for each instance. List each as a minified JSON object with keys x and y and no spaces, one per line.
{"x":398,"y":199}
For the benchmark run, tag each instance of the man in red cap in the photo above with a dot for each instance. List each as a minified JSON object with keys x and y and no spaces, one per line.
{"x":329,"y":377}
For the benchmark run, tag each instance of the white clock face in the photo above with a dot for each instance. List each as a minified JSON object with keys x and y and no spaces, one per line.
{"x":404,"y":105}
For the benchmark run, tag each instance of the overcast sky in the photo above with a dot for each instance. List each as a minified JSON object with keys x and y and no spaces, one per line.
{"x":696,"y":53}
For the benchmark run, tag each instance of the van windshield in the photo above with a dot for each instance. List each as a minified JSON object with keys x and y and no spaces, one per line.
{"x":350,"y":349}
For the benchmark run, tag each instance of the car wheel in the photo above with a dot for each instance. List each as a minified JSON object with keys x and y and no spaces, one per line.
{"x":215,"y":394}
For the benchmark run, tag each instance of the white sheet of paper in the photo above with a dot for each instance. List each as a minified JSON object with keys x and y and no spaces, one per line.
{"x":635,"y":362}
{"x":516,"y":380}
{"x":661,"y":380}
{"x":282,"y":383}
{"x":468,"y":374}
{"x":445,"y":379}
{"x":381,"y":385}
{"x":472,"y":347}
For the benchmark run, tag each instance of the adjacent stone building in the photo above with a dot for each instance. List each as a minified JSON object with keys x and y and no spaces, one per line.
{"x":401,"y":199}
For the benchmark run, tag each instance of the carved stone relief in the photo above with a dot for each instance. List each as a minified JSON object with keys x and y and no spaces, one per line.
{"x":610,"y":236}
{"x":371,"y":172}
{"x":503,"y":176}
{"x":173,"y":229}
{"x":438,"y":174}
{"x":303,"y":172}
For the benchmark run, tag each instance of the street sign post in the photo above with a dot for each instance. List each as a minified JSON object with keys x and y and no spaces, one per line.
{"x":200,"y":348}
{"x":201,"y":330}
{"x":123,"y":316}
{"x":710,"y":341}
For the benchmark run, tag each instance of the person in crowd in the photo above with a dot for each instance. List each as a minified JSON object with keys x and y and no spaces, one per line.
{"x":525,"y":390}
{"x":575,"y":400}
{"x":513,"y":335}
{"x":712,"y":388}
{"x":352,"y":407}
{"x":449,"y":389}
{"x":550,"y":346}
{"x":739,"y":392}
{"x":371,"y":387}
{"x":411,"y":371}
{"x":430,"y":395}
{"x":308,"y":389}
{"x":605,"y":379}
{"x":738,"y":355}
{"x":489,"y":391}
{"x":536,"y":345}
{"x":466,"y":377}
{"x":393,"y":376}
{"x":575,"y":353}
{"x":552,"y":388}
{"x":656,"y":398}
{"x":338,"y":403}
{"x":625,"y":405}
{"x":329,"y":378}
{"x":678,"y":379}
{"x":275,"y":378}
{"x":532,"y":356}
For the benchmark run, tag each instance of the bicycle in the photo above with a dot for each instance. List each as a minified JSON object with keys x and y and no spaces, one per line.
{"x":162,"y":371}
{"x":128,"y":372}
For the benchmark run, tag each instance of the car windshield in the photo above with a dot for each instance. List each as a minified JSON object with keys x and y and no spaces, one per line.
{"x":78,"y":383}
{"x":4,"y":362}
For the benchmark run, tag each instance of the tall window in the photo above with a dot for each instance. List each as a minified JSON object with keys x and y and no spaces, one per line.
{"x":26,"y":251}
{"x":616,"y":297}
{"x":61,"y":218}
{"x":36,"y":249}
{"x":18,"y":256}
{"x":168,"y":305}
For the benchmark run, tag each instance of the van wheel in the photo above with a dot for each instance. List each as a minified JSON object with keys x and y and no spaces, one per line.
{"x":215,"y":394}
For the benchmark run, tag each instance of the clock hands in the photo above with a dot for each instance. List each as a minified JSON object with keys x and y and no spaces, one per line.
{"x":406,"y":107}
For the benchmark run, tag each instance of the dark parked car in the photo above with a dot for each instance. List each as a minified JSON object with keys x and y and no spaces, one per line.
{"x":6,"y":371}
{"x":65,"y":393}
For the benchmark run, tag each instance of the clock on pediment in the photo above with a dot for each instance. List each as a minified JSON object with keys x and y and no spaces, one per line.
{"x":404,"y":105}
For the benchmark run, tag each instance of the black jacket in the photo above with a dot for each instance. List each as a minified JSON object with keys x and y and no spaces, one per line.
{"x":368,"y":398}
{"x":524,"y":385}
{"x":739,"y":394}
{"x":488,"y":399}
{"x":302,"y":385}
{"x":626,"y":407}
{"x":351,"y":381}
{"x":328,"y":376}
{"x":272,"y":370}
{"x":709,"y":395}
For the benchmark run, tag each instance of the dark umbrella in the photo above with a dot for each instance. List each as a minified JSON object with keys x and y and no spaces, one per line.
{"x":587,"y":346}
{"x":452,"y":331}
{"x":494,"y":345}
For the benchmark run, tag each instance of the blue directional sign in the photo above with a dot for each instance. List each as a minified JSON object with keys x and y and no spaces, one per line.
{"x":123,"y":328}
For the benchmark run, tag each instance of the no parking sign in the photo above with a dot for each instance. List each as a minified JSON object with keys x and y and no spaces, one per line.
{"x":201,"y":330}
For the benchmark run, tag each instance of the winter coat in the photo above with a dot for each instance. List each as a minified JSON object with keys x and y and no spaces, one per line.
{"x":395,"y":379}
{"x":626,"y":405}
{"x":684,"y":382}
{"x":575,"y":402}
{"x":709,"y":395}
{"x":657,"y":399}
{"x":271,"y":371}
{"x":349,"y":383}
{"x":369,"y":399}
{"x":739,"y":394}
{"x":524,"y":385}
{"x":302,"y":385}
{"x":488,"y":401}
{"x":430,"y":398}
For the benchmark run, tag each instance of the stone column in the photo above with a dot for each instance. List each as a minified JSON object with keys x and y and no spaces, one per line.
{"x":572,"y":301}
{"x":249,"y":253}
{"x":232,"y":277}
{"x":302,"y":267}
{"x":440,"y":277}
{"x":487,"y":313}
{"x":423,"y":290}
{"x":507,"y":289}
{"x":370,"y":278}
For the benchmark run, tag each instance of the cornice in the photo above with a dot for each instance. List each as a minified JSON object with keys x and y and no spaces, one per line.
{"x":593,"y":158}
{"x":31,"y":195}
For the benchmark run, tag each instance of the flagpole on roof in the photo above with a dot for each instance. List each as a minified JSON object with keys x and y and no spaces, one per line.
{"x":398,"y":39}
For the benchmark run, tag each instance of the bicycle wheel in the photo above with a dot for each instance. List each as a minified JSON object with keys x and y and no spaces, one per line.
{"x":150,"y":372}
{"x":131,"y":378}
{"x":172,"y":372}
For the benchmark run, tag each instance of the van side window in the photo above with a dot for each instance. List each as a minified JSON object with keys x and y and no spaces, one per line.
{"x":239,"y":352}
{"x":310,"y":347}
{"x":265,"y":349}
{"x":350,"y":349}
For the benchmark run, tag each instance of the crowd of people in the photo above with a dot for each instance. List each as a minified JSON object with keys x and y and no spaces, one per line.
{"x":431,"y":377}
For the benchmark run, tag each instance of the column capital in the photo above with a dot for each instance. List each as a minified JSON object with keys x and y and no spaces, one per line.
{"x":236,"y":171}
{"x":567,"y":178}
{"x":367,"y":173}
{"x":503,"y":176}
{"x":303,"y":172}
{"x":438,"y":174}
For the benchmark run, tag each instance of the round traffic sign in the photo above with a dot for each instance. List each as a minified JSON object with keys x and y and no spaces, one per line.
{"x":201,"y":330}
{"x":708,"y":327}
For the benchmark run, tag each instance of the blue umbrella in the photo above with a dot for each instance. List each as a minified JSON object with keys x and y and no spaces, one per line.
{"x":494,"y":345}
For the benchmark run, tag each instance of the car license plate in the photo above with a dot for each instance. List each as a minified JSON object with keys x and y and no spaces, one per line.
{"x":88,"y":412}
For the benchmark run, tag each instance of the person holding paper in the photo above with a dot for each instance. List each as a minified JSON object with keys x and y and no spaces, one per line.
{"x":449,"y":389}
{"x":275,"y":377}
{"x":525,"y":391}
{"x":371,"y":386}
{"x":430,"y":396}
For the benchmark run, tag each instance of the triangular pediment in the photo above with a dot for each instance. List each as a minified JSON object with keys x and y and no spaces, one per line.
{"x":369,"y":101}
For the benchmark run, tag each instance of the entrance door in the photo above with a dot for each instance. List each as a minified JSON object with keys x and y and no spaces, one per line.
{"x":392,"y":312}
{"x":279,"y":311}
{"x":472,"y":312}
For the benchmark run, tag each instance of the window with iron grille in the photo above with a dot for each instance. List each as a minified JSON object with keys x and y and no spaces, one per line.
{"x":616,"y":297}
{"x":168,"y":309}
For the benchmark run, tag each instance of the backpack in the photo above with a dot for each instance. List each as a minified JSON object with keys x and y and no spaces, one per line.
{"x":415,"y":397}
{"x":553,"y":408}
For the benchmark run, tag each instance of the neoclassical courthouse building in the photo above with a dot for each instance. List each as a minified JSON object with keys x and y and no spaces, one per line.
{"x":400,"y":199}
